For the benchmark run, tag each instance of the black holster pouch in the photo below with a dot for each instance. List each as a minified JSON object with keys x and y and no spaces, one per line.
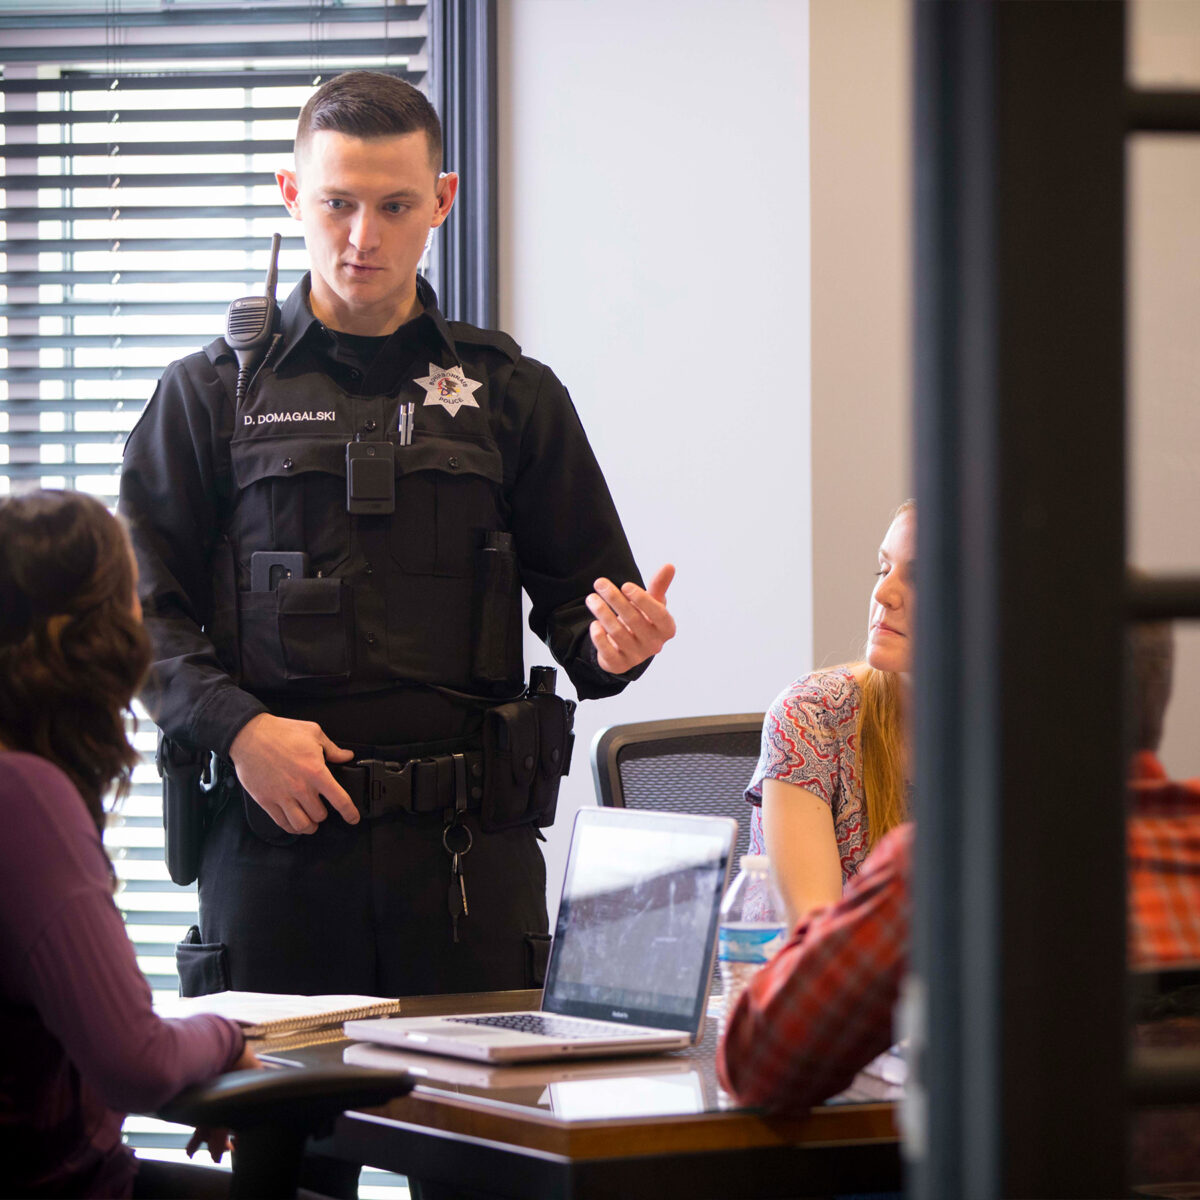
{"x":526,"y":751}
{"x":184,"y":771}
{"x":203,"y":969}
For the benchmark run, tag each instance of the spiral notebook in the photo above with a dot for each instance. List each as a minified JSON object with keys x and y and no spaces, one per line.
{"x":271,"y":1015}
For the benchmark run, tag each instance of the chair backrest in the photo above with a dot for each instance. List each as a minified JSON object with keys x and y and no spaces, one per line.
{"x":688,"y":764}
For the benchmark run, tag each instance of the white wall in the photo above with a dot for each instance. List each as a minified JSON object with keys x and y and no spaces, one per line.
{"x":1164,"y":352}
{"x":655,"y":214}
{"x":654,"y":250}
{"x":861,"y":303}
{"x":860,"y":99}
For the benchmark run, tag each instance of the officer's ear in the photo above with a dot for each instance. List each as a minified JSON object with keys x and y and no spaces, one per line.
{"x":447,"y":189}
{"x":289,"y":188}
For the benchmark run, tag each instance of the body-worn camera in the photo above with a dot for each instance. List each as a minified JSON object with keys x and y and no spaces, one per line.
{"x":371,"y":478}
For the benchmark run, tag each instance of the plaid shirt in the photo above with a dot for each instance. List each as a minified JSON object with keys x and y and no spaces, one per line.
{"x":822,"y":1008}
{"x":1164,"y":868}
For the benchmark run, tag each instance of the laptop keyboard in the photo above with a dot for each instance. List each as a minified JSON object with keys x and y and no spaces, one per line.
{"x":547,"y":1026}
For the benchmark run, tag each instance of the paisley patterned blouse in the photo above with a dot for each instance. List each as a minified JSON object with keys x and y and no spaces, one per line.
{"x":810,"y":738}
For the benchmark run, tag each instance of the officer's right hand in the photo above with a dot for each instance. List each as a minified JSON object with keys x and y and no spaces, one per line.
{"x":281,"y":763}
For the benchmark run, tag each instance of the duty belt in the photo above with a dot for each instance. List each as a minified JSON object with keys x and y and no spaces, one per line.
{"x":421,"y":785}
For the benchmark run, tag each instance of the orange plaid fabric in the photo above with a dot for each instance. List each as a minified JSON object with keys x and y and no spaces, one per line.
{"x":822,"y":1008}
{"x":1163,"y":846}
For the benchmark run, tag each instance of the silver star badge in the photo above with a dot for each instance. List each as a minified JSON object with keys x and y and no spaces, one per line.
{"x":450,"y":388}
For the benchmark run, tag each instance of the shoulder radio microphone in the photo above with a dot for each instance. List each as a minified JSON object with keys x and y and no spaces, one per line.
{"x":250,"y":323}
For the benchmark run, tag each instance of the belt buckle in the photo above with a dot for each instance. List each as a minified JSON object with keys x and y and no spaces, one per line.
{"x":384,"y":777}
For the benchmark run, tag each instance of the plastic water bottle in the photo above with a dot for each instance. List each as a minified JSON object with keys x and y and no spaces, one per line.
{"x":753,"y":927}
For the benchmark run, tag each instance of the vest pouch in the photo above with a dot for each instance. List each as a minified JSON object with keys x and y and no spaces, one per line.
{"x":289,"y":496}
{"x":300,"y":631}
{"x":259,"y":648}
{"x":510,"y":763}
{"x":315,"y":620}
{"x":447,"y":490}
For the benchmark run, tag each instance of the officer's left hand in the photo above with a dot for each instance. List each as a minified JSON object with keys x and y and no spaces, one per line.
{"x":632,"y":623}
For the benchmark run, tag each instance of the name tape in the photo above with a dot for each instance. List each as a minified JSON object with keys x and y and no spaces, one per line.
{"x":276,"y":418}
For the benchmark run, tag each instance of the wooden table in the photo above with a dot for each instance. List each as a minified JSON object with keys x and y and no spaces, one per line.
{"x":647,"y":1126}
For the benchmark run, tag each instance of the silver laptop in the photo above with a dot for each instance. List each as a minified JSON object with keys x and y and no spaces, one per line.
{"x":460,"y":1072}
{"x":632,"y":957}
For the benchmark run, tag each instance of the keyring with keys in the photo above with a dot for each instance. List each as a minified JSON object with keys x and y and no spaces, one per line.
{"x":456,"y":896}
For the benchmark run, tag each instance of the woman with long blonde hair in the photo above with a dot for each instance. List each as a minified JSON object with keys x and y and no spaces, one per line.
{"x":831,"y":778}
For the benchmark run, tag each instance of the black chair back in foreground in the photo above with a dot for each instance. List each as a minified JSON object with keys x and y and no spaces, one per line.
{"x":273,"y":1112}
{"x":686,"y":764}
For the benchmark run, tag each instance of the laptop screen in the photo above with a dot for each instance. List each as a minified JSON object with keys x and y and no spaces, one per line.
{"x":638,"y":917}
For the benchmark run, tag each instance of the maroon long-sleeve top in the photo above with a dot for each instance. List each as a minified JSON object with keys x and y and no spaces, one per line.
{"x":82,"y":1045}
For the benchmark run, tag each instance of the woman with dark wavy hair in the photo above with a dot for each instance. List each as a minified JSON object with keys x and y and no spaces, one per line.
{"x":83,"y":1045}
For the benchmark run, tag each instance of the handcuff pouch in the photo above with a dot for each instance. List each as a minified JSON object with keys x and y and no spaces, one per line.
{"x":510,"y":762}
{"x":526,"y":752}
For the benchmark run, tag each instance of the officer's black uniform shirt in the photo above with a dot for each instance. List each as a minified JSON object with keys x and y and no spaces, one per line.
{"x":203,"y":486}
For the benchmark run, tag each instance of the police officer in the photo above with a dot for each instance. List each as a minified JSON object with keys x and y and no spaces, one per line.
{"x":332,"y":546}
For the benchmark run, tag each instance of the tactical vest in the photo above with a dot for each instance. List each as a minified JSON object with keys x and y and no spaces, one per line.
{"x":426,"y":593}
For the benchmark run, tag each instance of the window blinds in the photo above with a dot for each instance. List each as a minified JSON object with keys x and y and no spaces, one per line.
{"x":139,"y":150}
{"x":138,"y":199}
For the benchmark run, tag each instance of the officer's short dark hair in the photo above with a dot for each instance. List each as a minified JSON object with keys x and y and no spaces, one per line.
{"x":370,"y":104}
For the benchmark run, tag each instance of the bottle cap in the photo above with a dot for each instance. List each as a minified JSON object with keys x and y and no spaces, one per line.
{"x":755,"y":862}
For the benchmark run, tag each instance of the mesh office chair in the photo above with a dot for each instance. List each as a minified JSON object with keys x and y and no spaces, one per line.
{"x":689,"y":765}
